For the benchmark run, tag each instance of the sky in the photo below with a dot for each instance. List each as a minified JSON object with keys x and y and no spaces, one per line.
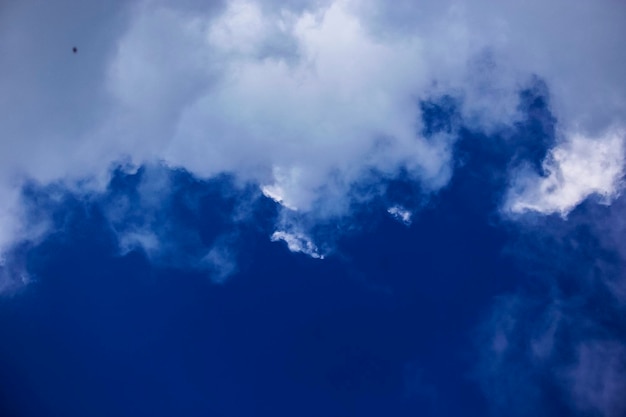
{"x":312,"y":208}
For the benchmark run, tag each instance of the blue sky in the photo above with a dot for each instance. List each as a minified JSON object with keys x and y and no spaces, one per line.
{"x":312,"y":208}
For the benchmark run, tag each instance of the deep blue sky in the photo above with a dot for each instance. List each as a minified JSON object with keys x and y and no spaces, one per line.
{"x":390,"y":324}
{"x":312,"y":208}
{"x":384,"y":327}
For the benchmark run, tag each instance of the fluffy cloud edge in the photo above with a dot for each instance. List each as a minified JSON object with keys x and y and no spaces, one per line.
{"x":579,"y":167}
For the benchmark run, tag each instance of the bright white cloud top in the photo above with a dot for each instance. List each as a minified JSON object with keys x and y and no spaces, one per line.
{"x":305,"y":99}
{"x":577,"y":168}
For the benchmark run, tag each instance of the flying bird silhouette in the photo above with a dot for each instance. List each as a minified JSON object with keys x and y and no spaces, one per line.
{"x":74,"y":49}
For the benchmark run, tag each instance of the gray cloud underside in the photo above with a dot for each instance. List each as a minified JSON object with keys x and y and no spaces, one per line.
{"x":303,"y":98}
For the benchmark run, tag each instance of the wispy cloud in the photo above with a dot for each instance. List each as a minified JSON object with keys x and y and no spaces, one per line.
{"x":160,"y":212}
{"x":556,"y":344}
{"x":597,"y":378}
{"x":221,"y":259}
{"x":298,"y":242}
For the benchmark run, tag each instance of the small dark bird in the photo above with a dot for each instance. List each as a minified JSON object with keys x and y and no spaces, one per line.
{"x":74,"y":49}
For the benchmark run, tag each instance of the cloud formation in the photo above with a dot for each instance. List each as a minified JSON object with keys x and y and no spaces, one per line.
{"x":542,"y":358}
{"x":556,"y":345}
{"x":401,"y":214}
{"x":574,"y":170}
{"x":176,"y":220}
{"x":306,"y":99}
{"x":318,"y":105}
{"x":298,"y":242}
{"x":596,"y":378}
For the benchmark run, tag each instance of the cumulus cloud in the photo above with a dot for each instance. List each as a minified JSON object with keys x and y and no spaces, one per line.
{"x":575,"y":169}
{"x":305,"y":99}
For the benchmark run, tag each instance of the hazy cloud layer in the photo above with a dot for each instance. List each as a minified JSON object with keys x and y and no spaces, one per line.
{"x":556,"y":345}
{"x":543,"y":358}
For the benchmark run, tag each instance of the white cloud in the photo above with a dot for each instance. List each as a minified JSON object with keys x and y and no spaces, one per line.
{"x":304,"y":98}
{"x":298,"y":242}
{"x":577,"y":168}
{"x":401,"y":214}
